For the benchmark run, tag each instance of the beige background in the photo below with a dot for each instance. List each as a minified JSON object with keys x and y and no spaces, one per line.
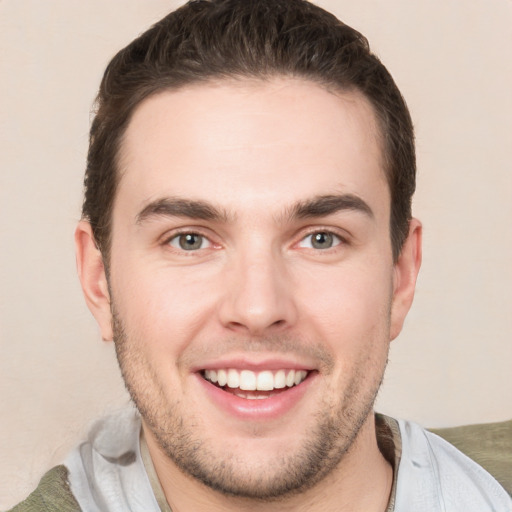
{"x":452,"y":364}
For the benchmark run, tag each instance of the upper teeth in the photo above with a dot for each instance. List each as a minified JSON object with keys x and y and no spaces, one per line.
{"x":248,"y":380}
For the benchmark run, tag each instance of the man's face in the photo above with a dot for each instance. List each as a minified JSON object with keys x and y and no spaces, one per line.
{"x":250,"y":242}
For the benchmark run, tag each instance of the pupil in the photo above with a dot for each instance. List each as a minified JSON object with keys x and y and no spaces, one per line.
{"x":322,"y":240}
{"x":190,"y":241}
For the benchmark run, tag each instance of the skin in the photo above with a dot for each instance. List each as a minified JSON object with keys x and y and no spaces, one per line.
{"x":257,"y":290}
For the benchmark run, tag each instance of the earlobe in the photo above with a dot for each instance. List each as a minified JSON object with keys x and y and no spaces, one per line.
{"x":91,"y":272}
{"x":405,"y":273}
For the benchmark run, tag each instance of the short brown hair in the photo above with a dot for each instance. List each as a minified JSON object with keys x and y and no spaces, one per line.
{"x":215,"y":39}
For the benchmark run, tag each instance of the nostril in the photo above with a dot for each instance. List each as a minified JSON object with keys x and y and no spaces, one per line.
{"x":255,"y":328}
{"x":237,"y":326}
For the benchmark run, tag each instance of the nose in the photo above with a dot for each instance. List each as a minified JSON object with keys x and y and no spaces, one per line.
{"x":258,"y":297}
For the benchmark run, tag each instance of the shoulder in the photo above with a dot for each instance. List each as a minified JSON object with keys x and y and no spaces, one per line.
{"x":106,"y":472}
{"x":53,"y":494}
{"x":435,"y":475}
{"x":489,"y":444}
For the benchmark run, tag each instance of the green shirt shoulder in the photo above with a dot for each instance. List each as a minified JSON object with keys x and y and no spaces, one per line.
{"x":488,"y":444}
{"x":52,"y":494}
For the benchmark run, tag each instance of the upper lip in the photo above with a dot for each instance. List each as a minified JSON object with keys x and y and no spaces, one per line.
{"x":254,"y":364}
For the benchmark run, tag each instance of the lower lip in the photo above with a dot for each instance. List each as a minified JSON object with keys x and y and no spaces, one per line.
{"x":257,"y":409}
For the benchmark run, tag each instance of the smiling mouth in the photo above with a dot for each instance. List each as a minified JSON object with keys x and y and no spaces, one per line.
{"x":255,"y":385}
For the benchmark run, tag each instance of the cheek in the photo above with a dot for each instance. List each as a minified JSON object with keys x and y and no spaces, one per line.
{"x":166,"y":305}
{"x":352,"y":317}
{"x":351,"y":308}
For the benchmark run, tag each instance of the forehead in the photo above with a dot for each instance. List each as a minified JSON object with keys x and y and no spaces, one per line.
{"x":259,"y":143}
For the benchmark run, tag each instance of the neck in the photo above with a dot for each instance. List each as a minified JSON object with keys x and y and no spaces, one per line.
{"x":362,"y":481}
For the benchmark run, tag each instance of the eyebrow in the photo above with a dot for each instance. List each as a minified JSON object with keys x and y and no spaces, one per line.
{"x":319,"y":206}
{"x":322,"y":206}
{"x":177,"y":207}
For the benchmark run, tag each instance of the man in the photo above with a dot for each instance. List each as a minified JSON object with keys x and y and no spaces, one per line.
{"x":247,"y":242}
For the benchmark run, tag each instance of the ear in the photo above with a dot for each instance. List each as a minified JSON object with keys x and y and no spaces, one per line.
{"x":405,"y":273}
{"x":93,"y":279}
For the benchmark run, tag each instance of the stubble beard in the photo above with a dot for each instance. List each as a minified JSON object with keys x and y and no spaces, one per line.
{"x":323,"y":448}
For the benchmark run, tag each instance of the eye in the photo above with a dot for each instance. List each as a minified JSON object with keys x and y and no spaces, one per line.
{"x":320,"y":240}
{"x":189,"y":242}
